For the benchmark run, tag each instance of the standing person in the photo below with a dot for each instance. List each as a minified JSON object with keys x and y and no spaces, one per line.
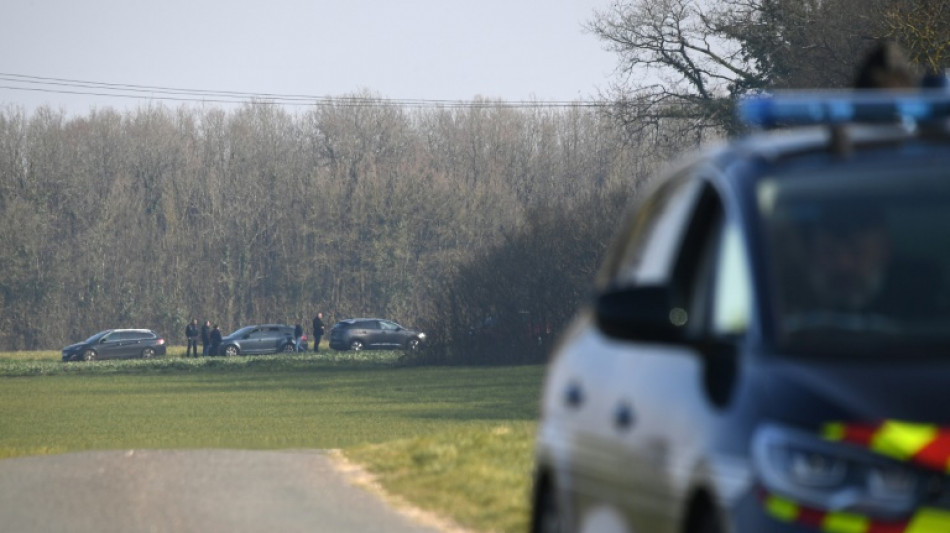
{"x":317,"y":331}
{"x":191,"y":335}
{"x":215,"y":340}
{"x":205,"y":337}
{"x":298,"y":334}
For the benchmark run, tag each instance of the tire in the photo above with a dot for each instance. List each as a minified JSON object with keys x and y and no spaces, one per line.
{"x":230,"y":350}
{"x":546,"y":517}
{"x":412,"y":345}
{"x":356,"y":346}
{"x":709,"y":523}
{"x":148,"y":353}
{"x":89,"y":355}
{"x":288,"y":348}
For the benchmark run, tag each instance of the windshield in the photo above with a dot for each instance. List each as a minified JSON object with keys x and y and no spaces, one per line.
{"x":860,"y":257}
{"x":96,"y":337}
{"x":241,"y":331}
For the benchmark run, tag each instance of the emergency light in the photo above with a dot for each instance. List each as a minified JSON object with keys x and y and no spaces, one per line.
{"x":799,"y":108}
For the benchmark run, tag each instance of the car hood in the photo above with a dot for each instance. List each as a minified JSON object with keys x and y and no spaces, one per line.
{"x":72,"y":347}
{"x":812,"y":392}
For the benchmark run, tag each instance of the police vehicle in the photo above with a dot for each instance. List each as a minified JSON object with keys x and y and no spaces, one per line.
{"x":768,"y":349}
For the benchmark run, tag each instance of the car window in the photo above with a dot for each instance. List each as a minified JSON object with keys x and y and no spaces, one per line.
{"x":732,"y":290}
{"x":644,"y":251}
{"x":369,"y":324}
{"x":388,"y":326}
{"x":95,"y":338}
{"x":858,"y":255}
{"x":693,"y":276}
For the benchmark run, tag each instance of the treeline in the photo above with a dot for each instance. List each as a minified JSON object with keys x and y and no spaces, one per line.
{"x":439,"y":218}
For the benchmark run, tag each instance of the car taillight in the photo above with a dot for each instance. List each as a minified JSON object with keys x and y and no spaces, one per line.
{"x":161,"y":341}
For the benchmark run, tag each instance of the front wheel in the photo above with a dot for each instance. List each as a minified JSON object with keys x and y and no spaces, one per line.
{"x":546,"y":517}
{"x":148,"y":353}
{"x":230,"y":350}
{"x":412,"y":345}
{"x":356,"y":345}
{"x":89,"y":355}
{"x":289,"y":348}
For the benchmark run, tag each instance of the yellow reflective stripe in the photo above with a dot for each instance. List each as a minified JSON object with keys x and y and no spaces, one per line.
{"x":902,"y":440}
{"x":845,"y":523}
{"x":833,"y":431}
{"x":781,"y":508}
{"x":929,"y":521}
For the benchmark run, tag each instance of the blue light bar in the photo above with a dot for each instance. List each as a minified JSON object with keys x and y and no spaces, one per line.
{"x":865,"y":106}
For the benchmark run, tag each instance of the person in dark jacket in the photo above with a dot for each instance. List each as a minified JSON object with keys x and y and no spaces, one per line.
{"x":317,"y":331}
{"x":205,"y":337}
{"x":191,"y":335}
{"x":215,"y":340}
{"x":298,"y":334}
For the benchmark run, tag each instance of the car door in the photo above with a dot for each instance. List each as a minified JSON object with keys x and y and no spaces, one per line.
{"x":590,"y":384}
{"x":134,"y":343}
{"x":372,"y":332}
{"x":117,"y":345}
{"x":110,"y":346}
{"x":663,"y":389}
{"x":274,"y":338}
{"x":390,"y":335}
{"x":252,"y":342}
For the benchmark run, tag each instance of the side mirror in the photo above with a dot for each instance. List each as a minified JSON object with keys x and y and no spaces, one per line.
{"x":644,"y":313}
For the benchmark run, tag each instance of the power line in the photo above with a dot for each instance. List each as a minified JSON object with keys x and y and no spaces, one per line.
{"x":44,"y":84}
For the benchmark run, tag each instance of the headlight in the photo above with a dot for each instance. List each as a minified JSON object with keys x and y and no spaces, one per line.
{"x":833,"y":476}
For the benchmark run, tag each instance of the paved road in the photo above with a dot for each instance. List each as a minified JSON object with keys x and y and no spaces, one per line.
{"x":206,"y":491}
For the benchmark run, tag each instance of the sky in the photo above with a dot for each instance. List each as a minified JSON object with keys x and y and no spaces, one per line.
{"x":513,"y":50}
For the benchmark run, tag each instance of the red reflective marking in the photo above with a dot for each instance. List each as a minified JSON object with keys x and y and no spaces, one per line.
{"x":810,"y":517}
{"x":887,"y":527}
{"x":859,"y":434}
{"x":936,"y":454}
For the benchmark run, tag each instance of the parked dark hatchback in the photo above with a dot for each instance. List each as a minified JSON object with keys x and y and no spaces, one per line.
{"x":117,"y":344}
{"x":259,"y":339}
{"x":373,"y":333}
{"x":768,"y":348}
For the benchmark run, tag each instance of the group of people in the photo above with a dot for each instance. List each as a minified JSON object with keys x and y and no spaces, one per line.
{"x":208,"y":335}
{"x":317,"y":334}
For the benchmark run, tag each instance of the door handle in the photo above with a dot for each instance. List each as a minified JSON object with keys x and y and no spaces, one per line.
{"x":623,"y":416}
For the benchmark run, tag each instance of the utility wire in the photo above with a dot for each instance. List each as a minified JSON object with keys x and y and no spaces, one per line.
{"x":24,"y":82}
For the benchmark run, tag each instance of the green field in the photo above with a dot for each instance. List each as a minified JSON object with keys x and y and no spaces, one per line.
{"x":453,"y":440}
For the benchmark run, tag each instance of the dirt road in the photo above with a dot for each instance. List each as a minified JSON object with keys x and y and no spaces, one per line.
{"x":204,"y":491}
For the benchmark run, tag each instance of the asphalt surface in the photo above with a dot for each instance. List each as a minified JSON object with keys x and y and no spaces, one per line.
{"x":204,"y":491}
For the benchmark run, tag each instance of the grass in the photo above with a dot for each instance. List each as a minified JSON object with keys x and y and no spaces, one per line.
{"x":453,"y":440}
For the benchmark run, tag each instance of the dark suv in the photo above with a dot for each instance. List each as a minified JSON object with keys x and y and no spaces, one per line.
{"x":768,"y":347}
{"x":259,"y":339}
{"x":117,"y":344}
{"x":373,"y":333}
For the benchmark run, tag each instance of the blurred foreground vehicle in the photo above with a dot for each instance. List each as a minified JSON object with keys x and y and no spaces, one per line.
{"x":373,"y":334}
{"x":117,"y":344}
{"x":768,"y":350}
{"x":260,"y":339}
